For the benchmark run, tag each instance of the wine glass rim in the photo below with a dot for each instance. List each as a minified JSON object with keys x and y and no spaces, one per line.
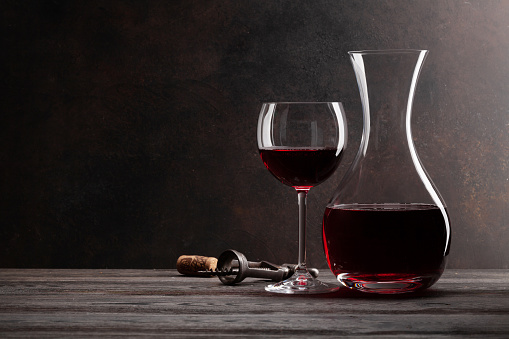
{"x":387,"y":51}
{"x":302,"y":102}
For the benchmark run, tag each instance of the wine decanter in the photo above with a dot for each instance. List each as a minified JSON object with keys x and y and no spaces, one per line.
{"x":386,"y":229}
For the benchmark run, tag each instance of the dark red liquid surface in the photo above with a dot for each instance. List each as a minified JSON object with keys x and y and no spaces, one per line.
{"x":301,"y":167}
{"x":386,"y":248}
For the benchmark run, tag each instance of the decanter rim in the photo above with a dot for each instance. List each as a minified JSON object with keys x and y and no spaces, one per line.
{"x":301,"y":102}
{"x":387,"y":51}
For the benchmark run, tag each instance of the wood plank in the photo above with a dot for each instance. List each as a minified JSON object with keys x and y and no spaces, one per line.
{"x":48,"y":303}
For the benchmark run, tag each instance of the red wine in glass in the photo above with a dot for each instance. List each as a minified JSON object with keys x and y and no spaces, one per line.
{"x":301,"y":167}
{"x":301,"y":144}
{"x":385,"y":248}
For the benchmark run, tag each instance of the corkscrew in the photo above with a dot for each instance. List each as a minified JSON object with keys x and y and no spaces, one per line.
{"x":233,"y":267}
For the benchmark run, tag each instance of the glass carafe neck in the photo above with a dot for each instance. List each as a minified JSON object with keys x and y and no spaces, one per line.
{"x":387,"y":168}
{"x":387,"y":101}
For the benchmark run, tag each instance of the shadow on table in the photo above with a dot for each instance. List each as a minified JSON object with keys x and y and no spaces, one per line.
{"x":346,"y":293}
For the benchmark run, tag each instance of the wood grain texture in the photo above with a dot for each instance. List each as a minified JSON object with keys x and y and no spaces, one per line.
{"x":107,"y":303}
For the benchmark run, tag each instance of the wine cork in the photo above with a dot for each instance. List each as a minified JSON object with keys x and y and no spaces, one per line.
{"x":192,"y":264}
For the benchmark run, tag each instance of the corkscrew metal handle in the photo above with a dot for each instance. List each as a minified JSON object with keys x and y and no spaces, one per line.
{"x":233,"y":267}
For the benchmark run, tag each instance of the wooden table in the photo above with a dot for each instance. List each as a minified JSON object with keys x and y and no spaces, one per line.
{"x":106,"y":303}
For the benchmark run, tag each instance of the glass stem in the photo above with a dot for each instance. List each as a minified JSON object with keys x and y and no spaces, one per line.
{"x":302,"y":198}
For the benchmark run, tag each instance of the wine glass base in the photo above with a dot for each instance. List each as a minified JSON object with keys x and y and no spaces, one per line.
{"x":301,"y":282}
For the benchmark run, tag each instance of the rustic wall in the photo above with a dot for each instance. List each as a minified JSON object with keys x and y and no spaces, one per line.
{"x":128,"y":127}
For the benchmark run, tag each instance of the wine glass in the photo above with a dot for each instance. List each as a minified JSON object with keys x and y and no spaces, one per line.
{"x":301,"y":144}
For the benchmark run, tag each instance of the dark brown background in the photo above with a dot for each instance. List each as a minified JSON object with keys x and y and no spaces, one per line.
{"x":128,"y":127}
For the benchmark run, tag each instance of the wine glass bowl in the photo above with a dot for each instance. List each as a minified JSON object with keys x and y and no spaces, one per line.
{"x":301,"y":144}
